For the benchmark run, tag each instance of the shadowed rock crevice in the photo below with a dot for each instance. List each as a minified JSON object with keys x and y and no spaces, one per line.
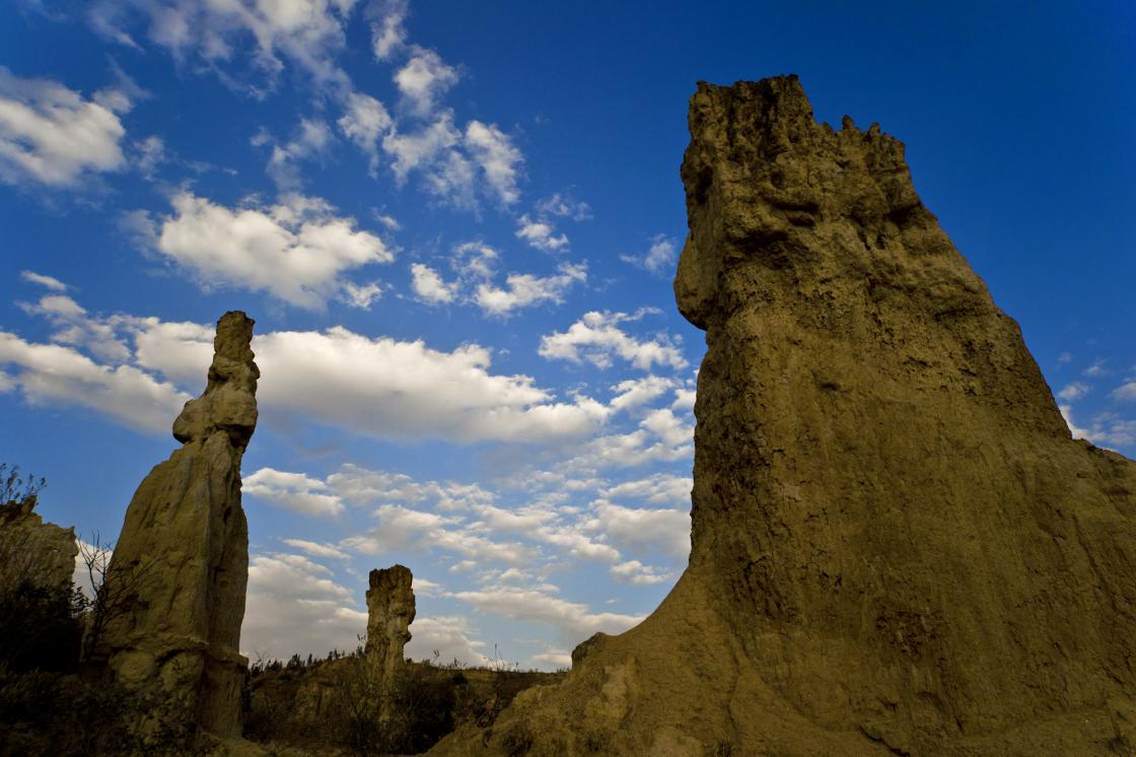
{"x":184,"y":552}
{"x":897,"y":547}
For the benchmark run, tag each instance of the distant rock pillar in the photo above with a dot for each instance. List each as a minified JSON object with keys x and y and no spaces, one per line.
{"x":390,"y":611}
{"x":180,"y":567}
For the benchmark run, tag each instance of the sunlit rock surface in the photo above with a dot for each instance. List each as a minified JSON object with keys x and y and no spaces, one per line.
{"x":183,"y":551}
{"x":897,"y":547}
{"x":390,"y":611}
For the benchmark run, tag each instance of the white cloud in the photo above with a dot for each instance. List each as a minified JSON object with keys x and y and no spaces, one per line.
{"x":423,"y":79}
{"x":296,"y":250}
{"x":361,"y":486}
{"x":407,"y":390}
{"x":219,"y":34}
{"x":149,"y":153}
{"x":494,"y":152}
{"x":401,"y":528}
{"x":449,"y":636}
{"x":684,"y":400}
{"x":451,"y":162}
{"x":50,"y":135}
{"x":635,"y":448}
{"x":316,"y":549}
{"x":638,"y":574}
{"x":540,"y":234}
{"x":388,"y":35}
{"x":1096,"y":370}
{"x":523,"y":289}
{"x":72,"y":326}
{"x":312,"y":138}
{"x":474,"y":260}
{"x":47,"y":282}
{"x":361,"y":296}
{"x":54,"y":374}
{"x":596,"y":337}
{"x":642,"y":528}
{"x":635,"y":392}
{"x":295,"y":606}
{"x":1106,"y":429}
{"x":574,"y":621}
{"x":661,"y":488}
{"x":364,"y":122}
{"x":378,"y":386}
{"x":554,"y":658}
{"x":294,"y":491}
{"x":664,"y":424}
{"x":1125,"y":391}
{"x":660,"y":256}
{"x":429,"y":286}
{"x":1073,"y":391}
{"x":564,"y":207}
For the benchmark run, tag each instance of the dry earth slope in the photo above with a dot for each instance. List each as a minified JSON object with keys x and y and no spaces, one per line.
{"x":897,"y":547}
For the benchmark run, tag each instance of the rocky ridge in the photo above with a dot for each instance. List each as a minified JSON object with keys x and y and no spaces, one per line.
{"x":897,"y":547}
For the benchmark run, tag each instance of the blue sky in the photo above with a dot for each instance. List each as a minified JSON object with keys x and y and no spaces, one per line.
{"x":455,"y":226}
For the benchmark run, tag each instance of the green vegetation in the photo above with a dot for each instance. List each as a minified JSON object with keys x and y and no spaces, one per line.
{"x":334,"y":704}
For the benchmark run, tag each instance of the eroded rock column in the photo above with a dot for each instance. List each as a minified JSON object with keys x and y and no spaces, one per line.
{"x":897,"y":547}
{"x":390,"y":611}
{"x":182,"y":556}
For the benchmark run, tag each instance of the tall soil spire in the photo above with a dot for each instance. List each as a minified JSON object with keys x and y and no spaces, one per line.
{"x":182,"y":557}
{"x":897,"y":547}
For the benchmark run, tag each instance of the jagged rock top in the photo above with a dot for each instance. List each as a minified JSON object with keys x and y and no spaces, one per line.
{"x":762,"y":175}
{"x":788,"y":213}
{"x":229,"y":401}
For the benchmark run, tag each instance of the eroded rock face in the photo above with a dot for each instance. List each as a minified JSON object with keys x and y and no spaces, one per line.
{"x":897,"y":547}
{"x":390,"y":611}
{"x":39,"y":553}
{"x":182,"y":556}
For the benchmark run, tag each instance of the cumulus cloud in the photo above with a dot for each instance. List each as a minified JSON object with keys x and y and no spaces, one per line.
{"x":564,"y":207}
{"x":55,"y":374}
{"x":1126,"y":391}
{"x":684,"y":400}
{"x":396,"y":389}
{"x":642,"y":528}
{"x":423,"y":79}
{"x":660,"y":488}
{"x":499,"y":160}
{"x":405,"y":528}
{"x":388,"y":33}
{"x":1073,"y":391}
{"x":312,"y":138}
{"x":293,"y":491}
{"x":229,"y":37}
{"x":362,"y":486}
{"x":659,"y":257}
{"x":447,"y":638}
{"x":378,"y":386}
{"x":636,"y":573}
{"x":51,"y":135}
{"x":540,"y":234}
{"x":523,"y":289}
{"x":633,"y":393}
{"x":317,"y":549}
{"x":296,"y":250}
{"x":597,"y":338}
{"x":365,"y":121}
{"x":47,"y":282}
{"x":429,"y":287}
{"x":294,"y":605}
{"x":573,"y":621}
{"x":457,"y":166}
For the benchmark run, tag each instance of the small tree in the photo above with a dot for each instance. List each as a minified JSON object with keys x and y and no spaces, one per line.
{"x":113,"y":590}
